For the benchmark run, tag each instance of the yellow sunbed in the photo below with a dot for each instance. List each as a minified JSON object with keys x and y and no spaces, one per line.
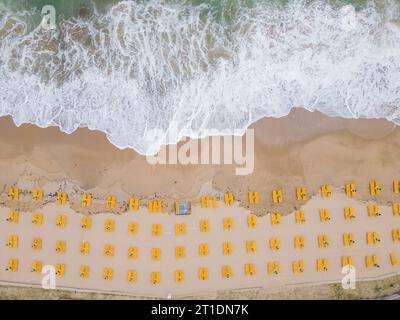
{"x":156,"y":254}
{"x":110,"y":202}
{"x":274,"y":244}
{"x":61,"y":221}
{"x":86,"y":200}
{"x":373,"y":210}
{"x":133,"y":204}
{"x":206,"y":202}
{"x":155,"y":206}
{"x":12,"y":242}
{"x":371,"y":261}
{"x":12,"y":265}
{"x":277,"y":196}
{"x":226,"y":272}
{"x":179,"y":252}
{"x":86,"y":223}
{"x":322,"y":265}
{"x":179,"y":276}
{"x":227,"y":248}
{"x":132,"y":276}
{"x":396,"y":209}
{"x":180,"y":229}
{"x":37,"y":195}
{"x":393,"y":259}
{"x":249,"y":270}
{"x":133,"y":253}
{"x":109,"y":226}
{"x":251,"y":246}
{"x":155,"y":278}
{"x":349,"y":213}
{"x":347,"y":261}
{"x":374,"y":188}
{"x":84,"y":272}
{"x":229,"y":200}
{"x":60,"y":269}
{"x":298,"y":267}
{"x":203,"y":249}
{"x":108,"y":274}
{"x":299,"y":242}
{"x":36,"y":267}
{"x":204,"y":226}
{"x":373,"y":238}
{"x":275,"y":219}
{"x":13,"y":194}
{"x":84,"y":248}
{"x":301,"y":193}
{"x":203,"y":274}
{"x":13,"y":217}
{"x":37,"y":244}
{"x":156,"y":230}
{"x":396,"y":235}
{"x":326,"y":191}
{"x":37,"y":219}
{"x":323,"y":241}
{"x":108,"y":251}
{"x":251,"y":221}
{"x":396,"y":186}
{"x":133,"y":228}
{"x":228,"y":224}
{"x":253,"y":197}
{"x":348,"y":239}
{"x":324,"y":215}
{"x":351,"y":190}
{"x":273,"y":268}
{"x":61,"y":199}
{"x":300,"y":217}
{"x":61,"y":247}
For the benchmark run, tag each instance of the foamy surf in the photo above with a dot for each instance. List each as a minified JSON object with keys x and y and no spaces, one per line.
{"x":144,"y":65}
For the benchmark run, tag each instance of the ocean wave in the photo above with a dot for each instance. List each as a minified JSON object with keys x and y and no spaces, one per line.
{"x":142,"y":66}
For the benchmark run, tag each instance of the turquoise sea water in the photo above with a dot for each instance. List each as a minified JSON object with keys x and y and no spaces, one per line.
{"x":131,"y":67}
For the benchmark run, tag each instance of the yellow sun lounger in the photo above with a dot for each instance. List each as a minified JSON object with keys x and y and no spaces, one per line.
{"x":396,"y":186}
{"x":298,"y":267}
{"x":156,"y":230}
{"x":371,"y":261}
{"x":36,"y":267}
{"x":133,"y":204}
{"x":133,"y":253}
{"x":60,"y":269}
{"x":61,"y":221}
{"x":86,"y":223}
{"x":299,"y":243}
{"x":229,"y":200}
{"x":12,"y":265}
{"x":347,"y":261}
{"x":13,"y":217}
{"x":180,"y":229}
{"x":301,"y":193}
{"x":12,"y":242}
{"x":133,"y":228}
{"x":323,"y":241}
{"x":61,"y":247}
{"x":277,"y":196}
{"x":206,"y":202}
{"x":374,"y":188}
{"x":251,"y":246}
{"x":349,"y":213}
{"x":179,"y":252}
{"x":155,"y":254}
{"x":61,"y":199}
{"x":227,"y":248}
{"x":322,"y":265}
{"x":36,"y":244}
{"x":110,"y":202}
{"x":86,"y":200}
{"x":249,"y":270}
{"x":348,"y":239}
{"x":13,"y":194}
{"x":227,"y":272}
{"x":276,"y":219}
{"x":393,"y":259}
{"x":37,"y":219}
{"x":203,"y":274}
{"x":108,"y":274}
{"x":108,"y":251}
{"x":37,"y":195}
{"x":253,"y":197}
{"x":372,"y":238}
{"x":154,"y":206}
{"x":228,"y":224}
{"x":324,"y":215}
{"x":132,"y":276}
{"x":109,"y":226}
{"x":204,"y":226}
{"x":251,"y":221}
{"x":326,"y":191}
{"x":273,"y":268}
{"x":203,"y":249}
{"x":84,"y":272}
{"x":179,"y":276}
{"x":396,"y":235}
{"x":351,"y":190}
{"x":300,"y":217}
{"x":373,"y":210}
{"x":396,"y":209}
{"x":155,"y":278}
{"x":84,"y":248}
{"x":275,"y":244}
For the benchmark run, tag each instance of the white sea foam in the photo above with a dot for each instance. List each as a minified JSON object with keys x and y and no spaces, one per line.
{"x":147,"y":65}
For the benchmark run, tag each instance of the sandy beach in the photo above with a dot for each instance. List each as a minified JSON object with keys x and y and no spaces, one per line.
{"x":289,"y":152}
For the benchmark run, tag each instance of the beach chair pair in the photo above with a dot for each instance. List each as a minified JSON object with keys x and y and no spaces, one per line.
{"x":60,"y":269}
{"x":36,"y":244}
{"x":324,"y":215}
{"x":108,"y":251}
{"x":253,"y":197}
{"x":301,"y":193}
{"x":154,"y":206}
{"x":371,"y":261}
{"x":347,"y":261}
{"x":393,"y":259}
{"x":156,"y":230}
{"x":203,"y":274}
{"x":203,"y":249}
{"x":108,"y":274}
{"x":300,"y":217}
{"x":61,"y":199}
{"x":86,"y":223}
{"x":273,"y":268}
{"x":351,"y":190}
{"x":229,"y":199}
{"x":373,"y":238}
{"x":110,"y":202}
{"x":227,"y":272}
{"x":298,"y":266}
{"x":61,"y":247}
{"x":227,"y":248}
{"x":109,"y":226}
{"x":374,"y":188}
{"x":12,"y":242}
{"x":132,"y":276}
{"x":322,"y":265}
{"x":276,"y":219}
{"x":37,"y":195}
{"x":179,"y":276}
{"x":133,"y":204}
{"x":204,"y":226}
{"x":228,"y":224}
{"x":275,"y":244}
{"x":373,"y":211}
{"x":326,"y":191}
{"x":36,"y":266}
{"x":349,"y":213}
{"x":251,"y":247}
{"x":299,"y":242}
{"x":277,"y":196}
{"x":396,"y":235}
{"x":61,"y":221}
{"x":155,"y":254}
{"x":180,"y":229}
{"x":133,"y":253}
{"x":396,"y":209}
{"x":13,"y":194}
{"x":155,"y":278}
{"x":86,"y":200}
{"x":348,"y":240}
{"x":84,"y":272}
{"x":249,"y":270}
{"x":133,"y":228}
{"x":180,"y":252}
{"x":206,"y":202}
{"x":12,"y":265}
{"x":84,"y":248}
{"x":252,"y":221}
{"x":323,"y":241}
{"x":13,"y":217}
{"x":37,"y":219}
